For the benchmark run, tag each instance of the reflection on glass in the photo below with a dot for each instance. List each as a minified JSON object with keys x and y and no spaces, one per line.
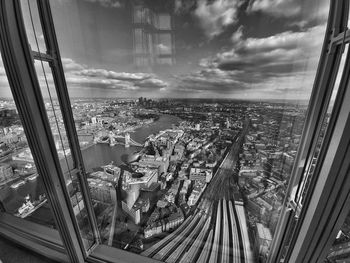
{"x":153,"y":34}
{"x":32,"y":25}
{"x":61,"y":140}
{"x":55,"y":118}
{"x":188,"y":161}
{"x":309,"y":171}
{"x":22,"y":192}
{"x":340,"y":251}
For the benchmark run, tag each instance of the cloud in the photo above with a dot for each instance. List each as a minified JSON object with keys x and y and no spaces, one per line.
{"x":91,"y":72}
{"x":80,"y":76}
{"x":152,"y":82}
{"x":281,"y":52}
{"x":285,"y":40}
{"x":237,"y":35}
{"x":216,"y":15}
{"x":69,"y":65}
{"x":275,"y":66}
{"x":278,"y":8}
{"x":108,"y":3}
{"x":209,"y":82}
{"x":184,"y":6}
{"x":300,"y":12}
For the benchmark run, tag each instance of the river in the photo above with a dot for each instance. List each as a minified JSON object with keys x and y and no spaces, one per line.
{"x":94,"y":156}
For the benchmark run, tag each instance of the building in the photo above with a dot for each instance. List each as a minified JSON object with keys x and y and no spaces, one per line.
{"x":198,"y":188}
{"x":77,"y":203}
{"x":133,"y":212}
{"x":25,"y":155}
{"x":309,"y":245}
{"x":161,"y":162}
{"x":166,"y":224}
{"x":263,"y":239}
{"x":143,"y":204}
{"x":203,"y":174}
{"x":112,"y":171}
{"x":6,"y":172}
{"x":143,"y":176}
{"x":102,"y":191}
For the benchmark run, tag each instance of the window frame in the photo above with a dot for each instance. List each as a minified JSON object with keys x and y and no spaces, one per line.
{"x":19,"y":66}
{"x":18,"y":61}
{"x":311,"y":240}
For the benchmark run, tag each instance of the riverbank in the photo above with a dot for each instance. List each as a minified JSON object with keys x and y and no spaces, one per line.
{"x":94,"y":156}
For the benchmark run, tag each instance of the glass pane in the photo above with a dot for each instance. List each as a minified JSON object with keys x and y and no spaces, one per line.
{"x":340,"y":249}
{"x":54,"y":114}
{"x":189,"y":117}
{"x":300,"y":190}
{"x":55,"y":118}
{"x":33,"y":25}
{"x":22,"y":192}
{"x":309,"y":171}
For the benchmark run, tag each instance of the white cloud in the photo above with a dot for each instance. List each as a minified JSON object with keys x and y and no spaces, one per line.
{"x":81,"y":76}
{"x":214,"y":16}
{"x":237,"y":35}
{"x":91,"y":72}
{"x":278,"y":8}
{"x":69,"y":64}
{"x":286,"y":40}
{"x":301,"y":13}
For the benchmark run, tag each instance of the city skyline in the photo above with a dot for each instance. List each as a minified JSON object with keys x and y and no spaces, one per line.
{"x":224,"y":49}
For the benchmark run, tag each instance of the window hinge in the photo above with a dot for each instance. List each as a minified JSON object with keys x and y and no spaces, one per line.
{"x":295,"y":207}
{"x":344,"y":38}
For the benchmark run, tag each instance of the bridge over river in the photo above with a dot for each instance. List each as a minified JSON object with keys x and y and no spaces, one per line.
{"x":112,"y":139}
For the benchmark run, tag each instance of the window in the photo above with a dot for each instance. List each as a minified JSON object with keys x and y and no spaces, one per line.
{"x":184,"y":132}
{"x":259,"y":138}
{"x":24,"y":204}
{"x":22,"y":191}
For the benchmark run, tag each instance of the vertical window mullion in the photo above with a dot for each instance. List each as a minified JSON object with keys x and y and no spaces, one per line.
{"x":24,"y":84}
{"x":65,"y":106}
{"x":322,"y":91}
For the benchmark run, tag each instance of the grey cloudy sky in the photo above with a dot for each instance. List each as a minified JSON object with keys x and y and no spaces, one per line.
{"x":242,"y":49}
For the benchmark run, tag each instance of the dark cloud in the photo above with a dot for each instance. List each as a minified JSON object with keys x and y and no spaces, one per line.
{"x":239,"y":65}
{"x":108,"y":3}
{"x":215,"y":16}
{"x":282,"y":62}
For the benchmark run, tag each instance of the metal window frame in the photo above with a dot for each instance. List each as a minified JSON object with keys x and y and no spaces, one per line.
{"x":65,"y":106}
{"x":316,"y":227}
{"x":19,"y":65}
{"x":324,"y":209}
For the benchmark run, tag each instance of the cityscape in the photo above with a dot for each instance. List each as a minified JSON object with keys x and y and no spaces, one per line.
{"x":188,"y":114}
{"x":189,"y":180}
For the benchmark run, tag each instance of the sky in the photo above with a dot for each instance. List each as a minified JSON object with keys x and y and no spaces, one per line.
{"x":231,"y":49}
